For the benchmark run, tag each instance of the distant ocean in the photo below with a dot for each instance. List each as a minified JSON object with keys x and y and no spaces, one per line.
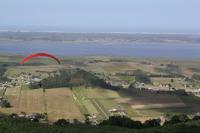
{"x":154,"y":50}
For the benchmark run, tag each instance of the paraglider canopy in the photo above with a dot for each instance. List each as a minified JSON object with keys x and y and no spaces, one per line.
{"x":35,"y":55}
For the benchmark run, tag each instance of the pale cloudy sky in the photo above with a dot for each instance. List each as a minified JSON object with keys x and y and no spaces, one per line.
{"x":116,"y":15}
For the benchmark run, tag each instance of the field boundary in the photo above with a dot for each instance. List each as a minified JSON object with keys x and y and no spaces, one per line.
{"x":99,"y":108}
{"x":165,"y":105}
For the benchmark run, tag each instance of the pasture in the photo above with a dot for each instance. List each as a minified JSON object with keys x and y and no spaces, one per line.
{"x":64,"y":103}
{"x":57,"y":103}
{"x":80,"y":101}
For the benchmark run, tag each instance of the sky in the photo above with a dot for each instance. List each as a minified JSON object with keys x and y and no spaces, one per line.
{"x":102,"y":15}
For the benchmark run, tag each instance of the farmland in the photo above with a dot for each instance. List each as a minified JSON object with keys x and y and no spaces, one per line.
{"x":57,"y":103}
{"x":81,"y":101}
{"x":74,"y":104}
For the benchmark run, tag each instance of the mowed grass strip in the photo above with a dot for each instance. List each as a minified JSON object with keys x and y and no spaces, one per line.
{"x":99,"y":100}
{"x":90,"y":105}
{"x":61,"y":104}
{"x":100,"y":93}
{"x":102,"y":112}
{"x":79,"y":101}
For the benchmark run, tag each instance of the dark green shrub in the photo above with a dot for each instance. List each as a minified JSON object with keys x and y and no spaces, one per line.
{"x":152,"y":123}
{"x":61,"y":122}
{"x":178,"y":119}
{"x":122,"y":121}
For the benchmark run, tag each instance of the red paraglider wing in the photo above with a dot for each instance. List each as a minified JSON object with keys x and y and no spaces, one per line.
{"x":26,"y":59}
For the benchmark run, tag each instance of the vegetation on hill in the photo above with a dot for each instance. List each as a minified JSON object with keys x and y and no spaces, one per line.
{"x":171,"y":70}
{"x":138,"y":74}
{"x":19,"y":125}
{"x":2,"y":71}
{"x":4,"y":103}
{"x":141,"y":77}
{"x":74,"y":78}
{"x":196,"y":77}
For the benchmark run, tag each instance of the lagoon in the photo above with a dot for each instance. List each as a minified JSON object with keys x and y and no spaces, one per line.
{"x":153,"y":50}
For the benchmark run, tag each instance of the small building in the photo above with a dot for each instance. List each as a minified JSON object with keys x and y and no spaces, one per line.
{"x":115,"y":111}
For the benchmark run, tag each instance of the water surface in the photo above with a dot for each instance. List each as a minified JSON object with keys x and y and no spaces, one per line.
{"x":133,"y":50}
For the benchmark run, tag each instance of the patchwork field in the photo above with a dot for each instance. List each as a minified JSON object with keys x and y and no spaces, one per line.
{"x":58,"y":103}
{"x":74,"y":104}
{"x":100,"y":101}
{"x":79,"y":102}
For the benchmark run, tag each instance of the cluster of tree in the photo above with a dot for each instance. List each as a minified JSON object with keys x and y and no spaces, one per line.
{"x":196,"y":77}
{"x":3,"y":69}
{"x":34,"y":117}
{"x":57,"y":80}
{"x":119,"y":121}
{"x":22,"y":125}
{"x":182,"y":118}
{"x":193,"y":69}
{"x":63,"y":122}
{"x":4,"y":103}
{"x":141,"y":77}
{"x":122,"y":121}
{"x":170,"y":69}
{"x":181,"y":92}
{"x":164,"y":76}
{"x":126,"y":122}
{"x":74,"y":78}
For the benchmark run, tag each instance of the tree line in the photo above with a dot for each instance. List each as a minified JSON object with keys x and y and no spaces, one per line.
{"x":74,"y":78}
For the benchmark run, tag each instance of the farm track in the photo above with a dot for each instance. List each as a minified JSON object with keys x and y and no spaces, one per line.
{"x":23,"y":101}
{"x":80,"y":95}
{"x":19,"y":99}
{"x":3,"y":94}
{"x":99,"y":108}
{"x":166,"y":105}
{"x":44,"y":100}
{"x":79,"y":102}
{"x":101,"y":105}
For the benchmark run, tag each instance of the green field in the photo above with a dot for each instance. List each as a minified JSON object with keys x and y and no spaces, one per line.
{"x":78,"y":102}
